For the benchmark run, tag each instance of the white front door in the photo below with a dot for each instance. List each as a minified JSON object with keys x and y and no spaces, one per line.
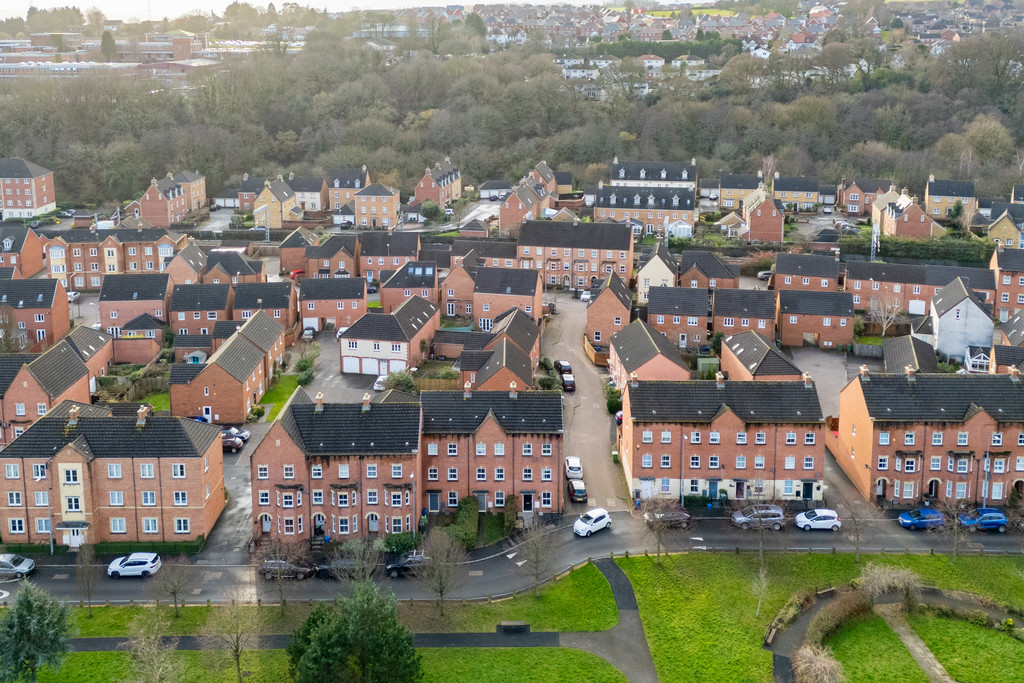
{"x":682,"y":340}
{"x":645,"y":488}
{"x":451,"y":309}
{"x":74,"y":538}
{"x":207,"y":412}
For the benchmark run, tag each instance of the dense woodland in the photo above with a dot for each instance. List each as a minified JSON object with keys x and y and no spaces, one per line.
{"x":496,"y":113}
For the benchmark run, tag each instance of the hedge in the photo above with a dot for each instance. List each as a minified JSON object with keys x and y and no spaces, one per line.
{"x":467,"y":522}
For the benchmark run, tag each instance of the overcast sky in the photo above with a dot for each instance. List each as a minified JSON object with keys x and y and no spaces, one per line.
{"x":148,"y":9}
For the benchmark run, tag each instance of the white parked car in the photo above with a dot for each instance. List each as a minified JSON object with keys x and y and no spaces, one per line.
{"x":379,"y":384}
{"x":585,"y":295}
{"x":592,"y":521}
{"x":73,"y":296}
{"x":136,"y":564}
{"x":573,"y":468}
{"x":820,"y":518}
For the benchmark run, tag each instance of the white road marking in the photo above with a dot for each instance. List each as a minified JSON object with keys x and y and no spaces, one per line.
{"x":520,"y":564}
{"x":511,"y":555}
{"x":476,"y":572}
{"x":197,"y":591}
{"x":4,"y":595}
{"x":696,"y":538}
{"x":60,"y":576}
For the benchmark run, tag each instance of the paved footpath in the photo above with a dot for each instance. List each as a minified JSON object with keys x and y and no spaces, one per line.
{"x":624,"y":646}
{"x":893,"y":615}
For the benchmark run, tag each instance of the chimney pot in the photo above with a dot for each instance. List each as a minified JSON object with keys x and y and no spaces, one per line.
{"x":512,"y":390}
{"x":1015,"y":373}
{"x":911,"y":373}
{"x":720,"y":380}
{"x":808,"y":380}
{"x":931,"y":177}
{"x":152,"y":181}
{"x":319,"y":402}
{"x":142,"y":412}
{"x":776,"y":175}
{"x":760,"y":174}
{"x":466,"y":393}
{"x":245,"y":176}
{"x":864,"y":372}
{"x":73,"y":416}
{"x":366,"y":401}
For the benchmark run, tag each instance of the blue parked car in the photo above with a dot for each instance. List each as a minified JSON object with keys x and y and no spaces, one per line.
{"x":922,"y":518}
{"x":984,"y":519}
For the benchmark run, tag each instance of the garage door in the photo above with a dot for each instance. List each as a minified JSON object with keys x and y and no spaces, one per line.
{"x":350,"y":365}
{"x":311,"y":322}
{"x":396,"y":366}
{"x":370,"y":366}
{"x":916,"y":307}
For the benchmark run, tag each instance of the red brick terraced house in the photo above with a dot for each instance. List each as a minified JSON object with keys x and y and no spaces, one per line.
{"x":520,"y":329}
{"x":857,"y":195}
{"x":95,"y":348}
{"x":643,"y":352}
{"x":608,"y":311}
{"x":912,"y":286}
{"x":524,"y":203}
{"x":749,"y":356}
{"x":1008,"y":269}
{"x":905,"y":217}
{"x":343,"y":470}
{"x":380,"y":251}
{"x":493,"y":445}
{"x":140,"y":340}
{"x":278,"y":299}
{"x":39,"y":307}
{"x":324,"y":302}
{"x":666,"y":211}
{"x":441,"y":184}
{"x":232,"y":267}
{"x":824,"y":317}
{"x":163,"y":204}
{"x":187,"y":265}
{"x":506,"y":366}
{"x":706,"y":270}
{"x":416,"y":278}
{"x":911,"y":437}
{"x":739,"y":310}
{"x":723,"y":439}
{"x":194,"y":186}
{"x":576,"y":255}
{"x":337,"y":257}
{"x":33,"y":384}
{"x":806,"y":272}
{"x":98,"y":478}
{"x":263,"y":331}
{"x":763,"y":217}
{"x":543,"y":174}
{"x":681,"y":314}
{"x":80,"y":259}
{"x":293,"y":249}
{"x":27,"y":189}
{"x":195,"y":309}
{"x":21,"y":249}
{"x":125,"y":297}
{"x":456,"y":290}
{"x":497,"y":290}
{"x":382,"y":343}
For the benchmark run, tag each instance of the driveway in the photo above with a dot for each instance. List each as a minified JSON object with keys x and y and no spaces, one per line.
{"x":328,"y":378}
{"x":589,"y":428}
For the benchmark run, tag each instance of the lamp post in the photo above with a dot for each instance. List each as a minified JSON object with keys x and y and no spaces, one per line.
{"x":49,"y":511}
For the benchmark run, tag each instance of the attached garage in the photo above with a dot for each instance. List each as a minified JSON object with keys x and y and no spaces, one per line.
{"x":371,"y":366}
{"x":350,"y":365}
{"x":311,"y":322}
{"x":394,"y":366}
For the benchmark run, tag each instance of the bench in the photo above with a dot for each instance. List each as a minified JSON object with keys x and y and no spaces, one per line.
{"x":770,"y":637}
{"x":513,"y":627}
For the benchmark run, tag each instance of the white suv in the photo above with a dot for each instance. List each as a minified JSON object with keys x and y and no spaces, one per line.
{"x":592,"y":521}
{"x":136,"y":564}
{"x":573,"y":468}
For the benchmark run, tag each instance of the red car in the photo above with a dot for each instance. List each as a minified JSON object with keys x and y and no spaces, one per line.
{"x":296,"y":274}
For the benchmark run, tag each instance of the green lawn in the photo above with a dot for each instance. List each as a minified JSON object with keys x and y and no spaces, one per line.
{"x":116,"y":621}
{"x":970,"y":653}
{"x":541,"y":664}
{"x":161,"y":401}
{"x":868,"y":341}
{"x":556,"y":609}
{"x":265,"y":666}
{"x":493,"y":527}
{"x":691,"y":604}
{"x":279,"y":394}
{"x":870,"y":652}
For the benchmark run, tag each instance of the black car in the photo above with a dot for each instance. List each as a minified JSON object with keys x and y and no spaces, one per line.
{"x":281,"y":569}
{"x":371,"y":289}
{"x":407,"y":563}
{"x":334,"y":569}
{"x":243,"y":434}
{"x":563,"y":367}
{"x":673,"y":519}
{"x":568,"y":382}
{"x":577,"y":491}
{"x":232,"y":443}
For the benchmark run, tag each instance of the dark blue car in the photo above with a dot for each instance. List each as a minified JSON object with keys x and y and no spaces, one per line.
{"x":984,"y":519}
{"x":922,"y":518}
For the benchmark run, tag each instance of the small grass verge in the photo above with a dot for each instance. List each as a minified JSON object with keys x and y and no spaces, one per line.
{"x":262,"y":666}
{"x":161,"y":401}
{"x":279,"y":394}
{"x":116,"y":621}
{"x":557,"y":608}
{"x":971,"y":653}
{"x":870,"y":652}
{"x":868,"y":341}
{"x":541,"y":664}
{"x":492,"y":529}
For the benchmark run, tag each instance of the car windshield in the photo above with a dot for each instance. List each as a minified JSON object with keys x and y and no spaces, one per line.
{"x":16,"y":560}
{"x":973,"y":514}
{"x":811,"y":514}
{"x":586,"y":518}
{"x":915,"y":514}
{"x":747,"y":512}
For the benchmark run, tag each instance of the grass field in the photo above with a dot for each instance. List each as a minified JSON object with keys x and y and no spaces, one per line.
{"x":970,"y":653}
{"x":280,"y":393}
{"x":871,"y":653}
{"x":691,"y":604}
{"x":265,"y":666}
{"x":520,"y":664}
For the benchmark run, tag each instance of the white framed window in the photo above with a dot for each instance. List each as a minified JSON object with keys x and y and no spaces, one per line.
{"x":17,"y":526}
{"x":178,"y":471}
{"x":453,"y":474}
{"x":262,"y":471}
{"x":908,"y":439}
{"x":694,"y":462}
{"x":694,"y":437}
{"x":181,"y":525}
{"x":758,"y":462}
{"x":790,"y":462}
{"x":808,"y":462}
{"x":545,"y":474}
{"x":481,"y":474}
{"x":39,"y":471}
{"x":936,"y":438}
{"x":117,"y":498}
{"x":146,"y":471}
{"x":790,"y":438}
{"x":117,"y":525}
{"x":808,"y":438}
{"x":149,"y":498}
{"x":288,"y":471}
{"x":646,"y":460}
{"x":997,"y":438}
{"x":647,"y":437}
{"x":883,"y":462}
{"x":114,"y":471}
{"x":527,"y":449}
{"x":714,"y":438}
{"x":961,"y":439}
{"x":666,"y":461}
{"x":453,"y":449}
{"x":499,"y":474}
{"x":431,"y":474}
{"x":42,"y":498}
{"x":760,"y":438}
{"x":181,"y":498}
{"x":12,"y":471}
{"x":741,"y":462}
{"x":14,"y":498}
{"x":713,"y":462}
{"x":371,"y":471}
{"x":150,"y":525}
{"x":499,"y":449}
{"x":527,"y":474}
{"x":371,"y":497}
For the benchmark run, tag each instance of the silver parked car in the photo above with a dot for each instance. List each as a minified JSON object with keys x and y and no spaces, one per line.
{"x":15,"y":566}
{"x":759,"y":516}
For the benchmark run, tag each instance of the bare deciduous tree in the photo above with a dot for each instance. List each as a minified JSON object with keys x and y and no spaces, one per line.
{"x":277,"y":561}
{"x":174,"y":580}
{"x":660,"y":515}
{"x":536,"y":547}
{"x":760,"y":588}
{"x":815,"y":664}
{"x":356,"y":560}
{"x":878,"y":579}
{"x":445,"y":568}
{"x":12,"y":338}
{"x":231,"y":630}
{"x":951,"y":509}
{"x":87,"y":573}
{"x":857,"y":524}
{"x":885,"y":311}
{"x":151,"y":651}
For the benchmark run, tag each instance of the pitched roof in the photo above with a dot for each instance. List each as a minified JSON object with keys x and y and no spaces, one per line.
{"x":1008,"y":355}
{"x":708,"y":263}
{"x":143,"y":321}
{"x":395,"y":244}
{"x":376,"y":190}
{"x":740,"y":181}
{"x":306,"y":184}
{"x":299,"y":237}
{"x":976,"y":278}
{"x":333,"y":245}
{"x":520,"y":328}
{"x":795,"y":184}
{"x":200,"y":297}
{"x":279,"y":188}
{"x":942,"y":397}
{"x":950,"y":188}
{"x":222,"y":329}
{"x":744,"y":303}
{"x":444,"y":172}
{"x":10,"y":365}
{"x":530,"y":412}
{"x":1013,"y":328}
{"x":618,"y":288}
{"x":238,"y":356}
{"x":149,"y":287}
{"x":754,"y":402}
{"x":57,"y":368}
{"x":485,"y":248}
{"x":86,"y":341}
{"x":341,"y":429}
{"x":576,"y":235}
{"x":14,"y":236}
{"x":35,"y":293}
{"x":899,"y":352}
{"x":495,"y":185}
{"x":262,"y":330}
{"x":513,"y":281}
{"x":332,"y":288}
{"x":682,"y":301}
{"x":347,"y":177}
{"x":188,"y":176}
{"x":870,"y":185}
{"x":674,"y":171}
{"x":657,"y":198}
{"x":115,"y":437}
{"x":184,"y":373}
{"x":16,"y":167}
{"x":1011,"y":259}
{"x":401,"y":325}
{"x":507,"y":355}
{"x":234,"y":263}
{"x":955,"y":293}
{"x":807,"y":265}
{"x":638,"y":343}
{"x":395,"y":396}
{"x":193,"y":256}
{"x":414,"y":275}
{"x":7,"y":272}
{"x":469,"y":341}
{"x":545,"y":171}
{"x":252,"y":295}
{"x":759,"y":356}
{"x":816,"y":303}
{"x":660,"y":252}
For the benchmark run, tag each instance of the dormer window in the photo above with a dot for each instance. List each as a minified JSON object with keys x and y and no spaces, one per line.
{"x":664,"y":174}
{"x":686,"y":175}
{"x":675,"y":200}
{"x":357,"y":184}
{"x":611,"y":200}
{"x":636,"y":199}
{"x":8,"y":243}
{"x":622,"y":173}
{"x":643,"y":173}
{"x":650,"y":200}
{"x":337,"y":183}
